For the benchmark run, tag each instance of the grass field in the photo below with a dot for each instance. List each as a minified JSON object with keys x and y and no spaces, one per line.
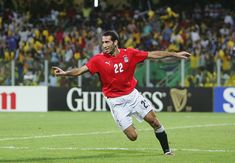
{"x":94,"y":137}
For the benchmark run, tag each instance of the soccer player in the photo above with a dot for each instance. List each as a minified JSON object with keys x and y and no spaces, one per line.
{"x":115,"y":67}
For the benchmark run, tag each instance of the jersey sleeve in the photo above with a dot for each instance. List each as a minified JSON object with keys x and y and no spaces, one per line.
{"x":91,"y":65}
{"x":138,"y":55}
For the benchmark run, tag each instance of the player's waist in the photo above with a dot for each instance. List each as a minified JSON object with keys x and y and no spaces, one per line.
{"x":118,"y":94}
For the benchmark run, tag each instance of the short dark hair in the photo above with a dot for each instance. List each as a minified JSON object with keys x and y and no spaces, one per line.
{"x":113,"y":34}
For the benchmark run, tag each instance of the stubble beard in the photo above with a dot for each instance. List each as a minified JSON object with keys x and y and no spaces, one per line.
{"x":112,"y":51}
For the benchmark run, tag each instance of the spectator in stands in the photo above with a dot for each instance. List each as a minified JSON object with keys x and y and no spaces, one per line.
{"x":36,"y":35}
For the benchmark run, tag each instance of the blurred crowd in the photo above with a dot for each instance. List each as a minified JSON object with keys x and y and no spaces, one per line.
{"x":64,"y":32}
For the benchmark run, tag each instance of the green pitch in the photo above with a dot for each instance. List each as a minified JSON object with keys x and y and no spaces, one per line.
{"x":94,"y":137}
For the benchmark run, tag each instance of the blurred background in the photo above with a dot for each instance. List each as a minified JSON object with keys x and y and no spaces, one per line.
{"x":38,"y":34}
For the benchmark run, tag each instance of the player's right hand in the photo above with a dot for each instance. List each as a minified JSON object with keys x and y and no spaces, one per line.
{"x":58,"y":71}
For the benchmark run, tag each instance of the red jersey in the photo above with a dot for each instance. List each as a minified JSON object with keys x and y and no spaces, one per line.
{"x":117,"y":72}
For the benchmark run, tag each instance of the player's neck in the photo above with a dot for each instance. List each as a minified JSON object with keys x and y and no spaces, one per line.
{"x":116,"y":52}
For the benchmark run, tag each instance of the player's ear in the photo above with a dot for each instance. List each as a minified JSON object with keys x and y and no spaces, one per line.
{"x":116,"y":43}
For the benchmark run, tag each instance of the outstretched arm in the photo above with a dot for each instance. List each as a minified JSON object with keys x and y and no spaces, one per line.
{"x":73,"y":72}
{"x":165,"y":54}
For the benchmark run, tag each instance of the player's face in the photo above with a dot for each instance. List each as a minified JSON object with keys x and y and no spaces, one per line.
{"x":109,"y":46}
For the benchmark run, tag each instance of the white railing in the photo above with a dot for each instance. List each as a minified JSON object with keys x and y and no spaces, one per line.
{"x":182,"y":68}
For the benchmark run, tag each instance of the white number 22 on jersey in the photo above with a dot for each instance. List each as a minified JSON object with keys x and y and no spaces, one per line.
{"x":118,"y":68}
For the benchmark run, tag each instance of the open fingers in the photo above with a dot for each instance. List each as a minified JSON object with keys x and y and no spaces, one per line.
{"x":56,"y":70}
{"x":184,"y":55}
{"x":187,"y":54}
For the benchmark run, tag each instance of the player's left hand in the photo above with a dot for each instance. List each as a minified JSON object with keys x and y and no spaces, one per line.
{"x":183,"y":55}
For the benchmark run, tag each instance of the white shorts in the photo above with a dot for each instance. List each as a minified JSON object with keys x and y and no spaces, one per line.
{"x":123,"y":107}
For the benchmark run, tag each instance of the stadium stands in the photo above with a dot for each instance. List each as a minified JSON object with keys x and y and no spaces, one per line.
{"x":64,"y":32}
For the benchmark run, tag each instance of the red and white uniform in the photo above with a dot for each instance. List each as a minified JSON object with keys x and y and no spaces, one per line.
{"x":117,"y":72}
{"x":118,"y":85}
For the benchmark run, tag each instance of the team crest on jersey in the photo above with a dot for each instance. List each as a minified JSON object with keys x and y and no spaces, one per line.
{"x":125,"y":58}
